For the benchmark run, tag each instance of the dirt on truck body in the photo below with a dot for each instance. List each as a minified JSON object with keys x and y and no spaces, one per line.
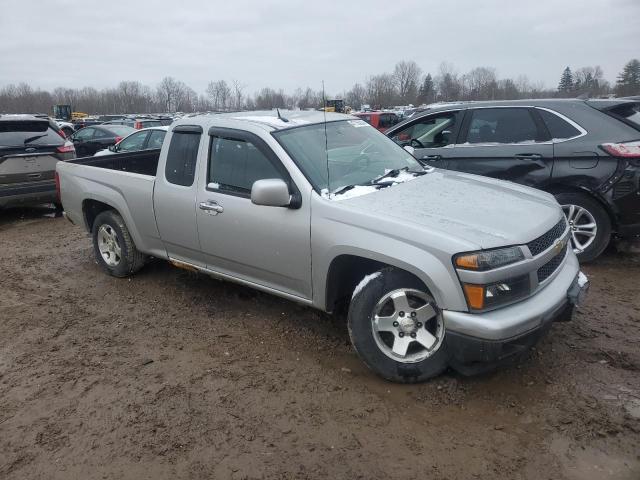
{"x":171,"y":374}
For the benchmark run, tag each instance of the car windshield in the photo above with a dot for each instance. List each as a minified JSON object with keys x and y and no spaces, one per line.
{"x":357,"y":154}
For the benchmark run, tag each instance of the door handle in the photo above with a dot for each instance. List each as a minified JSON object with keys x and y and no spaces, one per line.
{"x":528,"y":156}
{"x":432,"y":157}
{"x":211,"y":207}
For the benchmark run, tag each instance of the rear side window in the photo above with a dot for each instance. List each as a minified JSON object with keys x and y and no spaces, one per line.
{"x":388,"y":120}
{"x":19,"y":133}
{"x":558,"y":127}
{"x":235,"y":164}
{"x":181,"y":158}
{"x":502,"y":125}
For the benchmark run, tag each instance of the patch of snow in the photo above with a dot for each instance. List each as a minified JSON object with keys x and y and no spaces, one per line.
{"x":274,"y":121}
{"x":356,"y":191}
{"x":364,"y":282}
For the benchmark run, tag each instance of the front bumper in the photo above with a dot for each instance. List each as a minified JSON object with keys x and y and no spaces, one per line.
{"x":477,"y":342}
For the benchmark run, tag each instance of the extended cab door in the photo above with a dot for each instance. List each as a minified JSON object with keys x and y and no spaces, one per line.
{"x":431,"y":136}
{"x":509,"y":143}
{"x":174,"y":196}
{"x":267,"y":246}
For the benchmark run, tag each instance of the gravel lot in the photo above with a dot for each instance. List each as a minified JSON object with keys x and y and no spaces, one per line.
{"x":170,"y":374}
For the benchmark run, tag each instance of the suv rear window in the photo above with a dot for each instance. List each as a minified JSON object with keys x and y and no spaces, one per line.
{"x":21,"y":132}
{"x":558,"y":128}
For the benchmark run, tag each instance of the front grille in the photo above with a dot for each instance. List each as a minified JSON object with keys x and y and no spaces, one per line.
{"x":552,"y":265}
{"x":543,"y":242}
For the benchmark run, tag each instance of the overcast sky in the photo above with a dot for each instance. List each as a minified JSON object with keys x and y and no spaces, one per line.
{"x":286,"y":44}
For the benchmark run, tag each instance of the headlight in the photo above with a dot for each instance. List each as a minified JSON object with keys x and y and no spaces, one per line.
{"x":483,"y":297}
{"x":489,"y":259}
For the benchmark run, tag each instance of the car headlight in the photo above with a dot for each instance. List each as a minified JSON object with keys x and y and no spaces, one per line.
{"x":488,"y":259}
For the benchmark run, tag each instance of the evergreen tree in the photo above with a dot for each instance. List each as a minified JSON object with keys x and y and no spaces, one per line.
{"x":629,"y":79}
{"x":566,"y":82}
{"x":427,"y":92}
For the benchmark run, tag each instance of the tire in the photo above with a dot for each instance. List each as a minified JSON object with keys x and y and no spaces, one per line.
{"x":586,"y":248}
{"x":109,"y":226}
{"x":376,"y":348}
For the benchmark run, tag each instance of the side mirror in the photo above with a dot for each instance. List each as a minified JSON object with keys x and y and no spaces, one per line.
{"x":113,"y":148}
{"x":410,"y":149}
{"x":271,"y":192}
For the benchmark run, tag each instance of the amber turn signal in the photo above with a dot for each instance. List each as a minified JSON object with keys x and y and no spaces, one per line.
{"x":467,"y":261}
{"x":475,"y":295}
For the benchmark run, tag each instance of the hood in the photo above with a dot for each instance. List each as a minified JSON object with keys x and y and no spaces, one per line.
{"x":487,"y":212}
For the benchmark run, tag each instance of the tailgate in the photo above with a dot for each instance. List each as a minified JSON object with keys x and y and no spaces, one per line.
{"x":21,"y":168}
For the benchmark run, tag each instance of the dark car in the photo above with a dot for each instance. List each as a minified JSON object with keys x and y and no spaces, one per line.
{"x":585,"y":152}
{"x":30,"y":147}
{"x":98,"y":137}
{"x":85,"y":122}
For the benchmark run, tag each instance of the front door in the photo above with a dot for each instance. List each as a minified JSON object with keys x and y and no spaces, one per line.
{"x":508,"y":143}
{"x":266,"y":246}
{"x":431,"y":136}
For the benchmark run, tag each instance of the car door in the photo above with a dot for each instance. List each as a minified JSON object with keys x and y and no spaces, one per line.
{"x":81,"y":141}
{"x":174,"y":197}
{"x":509,"y":143}
{"x":431,"y":136}
{"x":263,"y":245}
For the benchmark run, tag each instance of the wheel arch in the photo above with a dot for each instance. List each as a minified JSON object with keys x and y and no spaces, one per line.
{"x":563,"y":188}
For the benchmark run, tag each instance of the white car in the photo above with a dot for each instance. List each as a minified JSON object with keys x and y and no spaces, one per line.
{"x":143,"y":139}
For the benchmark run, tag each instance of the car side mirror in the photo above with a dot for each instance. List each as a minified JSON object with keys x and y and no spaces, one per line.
{"x":271,"y":192}
{"x":410,"y":149}
{"x":113,"y":148}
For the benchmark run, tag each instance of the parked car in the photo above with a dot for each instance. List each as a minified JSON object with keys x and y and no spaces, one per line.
{"x":379,"y":120}
{"x":67,"y":127}
{"x":436,"y":268}
{"x":137,"y":123}
{"x":585,"y":153}
{"x":145,"y":139}
{"x":89,"y":140}
{"x":85,"y":122}
{"x":30,"y":147}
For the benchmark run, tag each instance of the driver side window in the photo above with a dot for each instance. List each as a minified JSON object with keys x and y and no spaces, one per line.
{"x":133,"y":142}
{"x":84,"y":134}
{"x":432,"y":131}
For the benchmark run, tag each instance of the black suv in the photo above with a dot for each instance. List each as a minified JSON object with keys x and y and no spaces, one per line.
{"x":584,"y":152}
{"x":30,"y":147}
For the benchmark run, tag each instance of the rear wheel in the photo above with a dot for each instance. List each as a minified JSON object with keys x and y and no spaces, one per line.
{"x":397,"y":329}
{"x":113,"y":246}
{"x":589,"y":223}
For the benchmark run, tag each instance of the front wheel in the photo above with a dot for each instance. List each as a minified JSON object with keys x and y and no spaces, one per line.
{"x":589,"y":223}
{"x":396,"y":327}
{"x":113,"y":246}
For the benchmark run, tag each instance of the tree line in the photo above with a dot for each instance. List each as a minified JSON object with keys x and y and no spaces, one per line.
{"x":406,"y":84}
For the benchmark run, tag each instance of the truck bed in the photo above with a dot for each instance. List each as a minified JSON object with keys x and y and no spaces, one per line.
{"x":144,"y":162}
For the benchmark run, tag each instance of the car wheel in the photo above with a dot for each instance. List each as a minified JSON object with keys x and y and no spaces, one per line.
{"x":589,"y":223}
{"x":396,"y":327}
{"x":113,"y":246}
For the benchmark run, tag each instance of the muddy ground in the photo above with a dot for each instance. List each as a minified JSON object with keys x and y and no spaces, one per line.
{"x":170,"y":375}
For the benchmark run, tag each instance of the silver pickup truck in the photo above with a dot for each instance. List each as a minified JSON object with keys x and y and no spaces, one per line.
{"x":435,"y":268}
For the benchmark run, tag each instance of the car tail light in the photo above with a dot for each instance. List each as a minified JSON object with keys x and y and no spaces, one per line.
{"x":118,"y":140}
{"x":622,"y":150}
{"x":67,"y":148}
{"x":58,"y":196}
{"x":137,"y":125}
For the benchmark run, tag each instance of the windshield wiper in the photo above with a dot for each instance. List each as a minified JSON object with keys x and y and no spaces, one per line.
{"x":35,"y":137}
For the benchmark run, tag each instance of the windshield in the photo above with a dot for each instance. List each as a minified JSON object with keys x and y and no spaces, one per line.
{"x":357,"y":153}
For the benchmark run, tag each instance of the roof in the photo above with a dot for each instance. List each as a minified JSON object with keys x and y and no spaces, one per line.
{"x":269,"y":118}
{"x":537,"y":102}
{"x":21,"y":117}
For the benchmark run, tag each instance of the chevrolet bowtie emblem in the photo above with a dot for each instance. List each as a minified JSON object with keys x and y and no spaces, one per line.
{"x":559,"y":245}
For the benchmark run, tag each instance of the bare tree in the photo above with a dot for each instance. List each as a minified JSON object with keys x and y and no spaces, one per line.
{"x":407,"y":77}
{"x":238,"y":94}
{"x":449,"y":85}
{"x":381,"y":90}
